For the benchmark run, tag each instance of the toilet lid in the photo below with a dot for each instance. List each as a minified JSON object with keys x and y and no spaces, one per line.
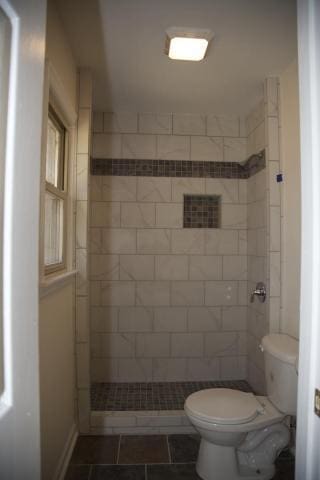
{"x":223,"y":405}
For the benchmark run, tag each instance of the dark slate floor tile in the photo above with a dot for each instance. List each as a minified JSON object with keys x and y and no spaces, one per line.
{"x":91,"y":449}
{"x":78,"y":472}
{"x":118,"y":472}
{"x":143,"y":449}
{"x":172,"y":472}
{"x":284,"y":467}
{"x":184,"y":448}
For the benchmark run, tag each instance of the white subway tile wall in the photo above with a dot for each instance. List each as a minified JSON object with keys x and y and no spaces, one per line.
{"x":167,"y":302}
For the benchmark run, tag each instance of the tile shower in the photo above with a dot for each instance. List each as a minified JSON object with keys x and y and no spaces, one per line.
{"x":169,"y":290}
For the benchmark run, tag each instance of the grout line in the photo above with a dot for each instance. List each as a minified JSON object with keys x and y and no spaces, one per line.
{"x":169,"y":453}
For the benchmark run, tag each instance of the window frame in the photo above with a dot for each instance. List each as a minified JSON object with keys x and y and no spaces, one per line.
{"x":61,"y":191}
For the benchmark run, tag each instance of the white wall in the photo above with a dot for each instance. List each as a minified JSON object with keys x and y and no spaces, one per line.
{"x":57,"y":331}
{"x":291,"y":199}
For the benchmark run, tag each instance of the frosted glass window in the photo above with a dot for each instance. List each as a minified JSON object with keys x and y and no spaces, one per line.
{"x":53,"y":249}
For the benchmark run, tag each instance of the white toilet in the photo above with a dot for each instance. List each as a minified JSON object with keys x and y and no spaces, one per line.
{"x":242,"y":434}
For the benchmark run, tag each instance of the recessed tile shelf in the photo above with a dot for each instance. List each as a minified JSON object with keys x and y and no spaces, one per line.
{"x":201,"y":211}
{"x":178,"y":168}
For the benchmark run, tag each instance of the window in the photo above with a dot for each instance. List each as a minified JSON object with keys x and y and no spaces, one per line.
{"x":55,"y":195}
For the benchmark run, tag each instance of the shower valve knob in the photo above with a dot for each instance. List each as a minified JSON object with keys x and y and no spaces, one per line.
{"x":260,"y":291}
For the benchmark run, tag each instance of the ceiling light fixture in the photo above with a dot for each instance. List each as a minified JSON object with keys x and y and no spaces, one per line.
{"x":187,"y":43}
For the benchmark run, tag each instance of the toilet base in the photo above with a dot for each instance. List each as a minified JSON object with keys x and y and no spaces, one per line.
{"x":216,"y":462}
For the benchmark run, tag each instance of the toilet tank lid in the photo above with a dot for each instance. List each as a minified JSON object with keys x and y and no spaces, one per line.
{"x":281,"y":346}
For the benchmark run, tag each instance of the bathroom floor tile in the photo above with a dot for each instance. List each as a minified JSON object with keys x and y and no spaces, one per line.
{"x":118,"y":472}
{"x":78,"y":472}
{"x":172,"y":472}
{"x":143,"y":449}
{"x":183,"y":448}
{"x":95,"y":449}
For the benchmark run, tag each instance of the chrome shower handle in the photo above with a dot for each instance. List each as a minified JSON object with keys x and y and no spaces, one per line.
{"x":260,"y":291}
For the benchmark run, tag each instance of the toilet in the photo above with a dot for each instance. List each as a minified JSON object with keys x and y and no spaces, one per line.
{"x":241,"y":433}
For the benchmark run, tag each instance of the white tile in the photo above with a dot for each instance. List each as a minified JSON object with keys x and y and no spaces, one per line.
{"x":153,"y":241}
{"x":84,"y":410}
{"x":104,"y":267}
{"x":104,"y":319}
{"x":169,"y":215}
{"x":235,"y":267}
{"x":227,"y":188}
{"x":95,"y":293}
{"x":83,"y":363}
{"x":136,"y":267}
{"x":234,"y":318}
{"x":243,"y":292}
{"x":169,"y":369}
{"x":271,"y":94}
{"x":186,"y":186}
{"x":221,"y":293}
{"x":222,"y":126}
{"x":81,"y":224}
{"x":273,"y":138}
{"x":135,"y":319}
{"x":189,"y":124}
{"x":95,"y":240}
{"x":274,"y":314}
{"x":139,"y":146}
{"x":153,"y":345}
{"x":155,"y":123}
{"x":255,"y":117}
{"x":235,"y":149}
{"x":203,"y":369}
{"x":187,"y":345}
{"x":138,"y":215}
{"x":124,"y":122}
{"x":170,"y":319}
{"x":243,"y":242}
{"x":82,"y":272}
{"x":233,"y":216}
{"x":82,"y":176}
{"x":106,"y":145}
{"x":118,"y":240}
{"x":171,"y":267}
{"x":97,"y":122}
{"x":153,"y":293}
{"x":121,"y":189}
{"x":117,"y":293}
{"x":204,"y":319}
{"x":105,"y":214}
{"x":115,"y":345}
{"x":275,"y":237}
{"x":243,"y":191}
{"x":159,"y":421}
{"x":275,"y":279}
{"x":233,"y":368}
{"x":82,"y":319}
{"x":188,"y":241}
{"x":221,"y":344}
{"x":83,"y":130}
{"x":135,"y":370}
{"x":187,"y":293}
{"x":173,"y":147}
{"x":274,"y":186}
{"x":221,"y":242}
{"x":207,"y":149}
{"x":151,"y":189}
{"x":104,"y":370}
{"x":205,"y":267}
{"x":95,"y":188}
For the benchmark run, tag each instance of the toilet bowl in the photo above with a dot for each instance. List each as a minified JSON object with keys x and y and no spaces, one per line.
{"x":241,"y":433}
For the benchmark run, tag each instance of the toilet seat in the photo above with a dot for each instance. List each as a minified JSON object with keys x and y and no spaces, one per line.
{"x":223,"y":406}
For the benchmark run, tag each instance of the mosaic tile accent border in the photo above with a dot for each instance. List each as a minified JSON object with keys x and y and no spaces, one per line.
{"x":153,"y":395}
{"x":177,"y":168}
{"x":201,"y":211}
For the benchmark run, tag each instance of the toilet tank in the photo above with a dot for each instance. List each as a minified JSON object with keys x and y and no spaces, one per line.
{"x":280,"y":358}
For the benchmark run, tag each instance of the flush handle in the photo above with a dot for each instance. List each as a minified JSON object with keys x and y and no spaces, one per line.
{"x":260,"y":291}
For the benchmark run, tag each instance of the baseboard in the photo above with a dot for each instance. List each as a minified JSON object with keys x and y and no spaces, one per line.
{"x":66,"y":454}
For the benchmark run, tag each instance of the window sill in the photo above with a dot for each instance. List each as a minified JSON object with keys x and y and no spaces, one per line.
{"x":50,"y":285}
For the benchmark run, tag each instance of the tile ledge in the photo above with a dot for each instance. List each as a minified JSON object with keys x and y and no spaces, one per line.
{"x":47,"y":287}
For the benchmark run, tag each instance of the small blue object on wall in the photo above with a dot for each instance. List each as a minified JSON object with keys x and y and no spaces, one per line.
{"x":279,"y":177}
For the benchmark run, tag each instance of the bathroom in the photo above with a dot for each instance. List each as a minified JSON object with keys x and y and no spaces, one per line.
{"x":182,"y":202}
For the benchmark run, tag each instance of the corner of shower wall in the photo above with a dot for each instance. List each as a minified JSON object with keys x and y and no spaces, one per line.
{"x":264,"y":243}
{"x":82,"y":222}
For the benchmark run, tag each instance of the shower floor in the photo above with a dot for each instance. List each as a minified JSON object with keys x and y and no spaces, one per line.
{"x":152,"y":396}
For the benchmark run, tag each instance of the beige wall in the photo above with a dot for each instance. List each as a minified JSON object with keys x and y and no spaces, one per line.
{"x":56,"y":330}
{"x":290,"y":142}
{"x":56,"y":376}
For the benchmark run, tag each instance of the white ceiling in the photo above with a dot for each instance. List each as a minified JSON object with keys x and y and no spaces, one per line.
{"x":123,"y":42}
